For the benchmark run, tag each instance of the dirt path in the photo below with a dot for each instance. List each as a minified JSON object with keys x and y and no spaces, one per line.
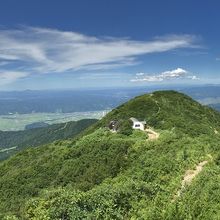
{"x":65,"y":125}
{"x":152,"y":135}
{"x":189,"y":176}
{"x":215,"y":131}
{"x":7,"y":149}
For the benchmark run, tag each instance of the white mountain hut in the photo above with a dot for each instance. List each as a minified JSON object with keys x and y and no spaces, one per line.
{"x":138,"y":124}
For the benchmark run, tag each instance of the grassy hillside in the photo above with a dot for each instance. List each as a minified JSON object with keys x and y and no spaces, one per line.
{"x":166,"y":110}
{"x":122,"y":175}
{"x":14,"y":141}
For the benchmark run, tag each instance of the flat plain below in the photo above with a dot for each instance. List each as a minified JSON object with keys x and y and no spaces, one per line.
{"x":15,"y":122}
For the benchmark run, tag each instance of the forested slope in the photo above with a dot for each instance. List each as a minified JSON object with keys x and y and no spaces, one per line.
{"x":12,"y":142}
{"x":124,"y":175}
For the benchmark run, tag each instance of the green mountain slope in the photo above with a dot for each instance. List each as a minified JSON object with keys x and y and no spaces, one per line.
{"x":166,"y":110}
{"x":14,"y":141}
{"x":124,"y":175}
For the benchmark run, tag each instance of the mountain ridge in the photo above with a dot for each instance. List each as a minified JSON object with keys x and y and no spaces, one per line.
{"x":165,"y":110}
{"x":105,"y":175}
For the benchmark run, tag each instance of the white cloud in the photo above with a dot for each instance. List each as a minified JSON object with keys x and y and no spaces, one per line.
{"x":193,"y":77}
{"x":7,"y":77}
{"x":40,"y":50}
{"x":178,"y":73}
{"x":139,"y":74}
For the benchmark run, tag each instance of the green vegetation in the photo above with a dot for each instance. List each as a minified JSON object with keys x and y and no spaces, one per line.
{"x":166,"y":110}
{"x":86,"y":164}
{"x":105,"y":175}
{"x":15,"y":141}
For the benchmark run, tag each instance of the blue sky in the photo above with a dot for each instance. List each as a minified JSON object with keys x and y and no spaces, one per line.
{"x":49,"y":44}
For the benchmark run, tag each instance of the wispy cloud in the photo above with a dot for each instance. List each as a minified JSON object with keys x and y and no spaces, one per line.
{"x":178,"y":73}
{"x":7,"y":77}
{"x":217,"y":58}
{"x":40,"y":50}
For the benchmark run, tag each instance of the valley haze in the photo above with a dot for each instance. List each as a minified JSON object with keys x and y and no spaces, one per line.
{"x":21,"y":108}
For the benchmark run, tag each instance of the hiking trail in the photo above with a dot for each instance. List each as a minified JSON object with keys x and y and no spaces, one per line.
{"x":152,"y":135}
{"x":189,"y":176}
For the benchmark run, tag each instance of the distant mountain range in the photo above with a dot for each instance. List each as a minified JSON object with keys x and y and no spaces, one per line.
{"x":88,"y":100}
